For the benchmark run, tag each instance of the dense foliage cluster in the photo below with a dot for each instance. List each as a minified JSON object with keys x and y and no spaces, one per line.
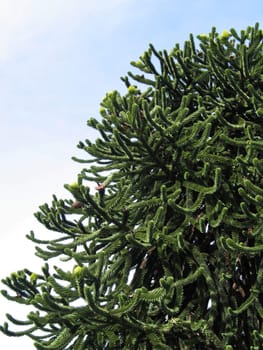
{"x":167,"y":254}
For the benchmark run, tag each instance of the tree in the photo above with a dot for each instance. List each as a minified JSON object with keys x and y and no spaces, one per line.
{"x":167,"y":254}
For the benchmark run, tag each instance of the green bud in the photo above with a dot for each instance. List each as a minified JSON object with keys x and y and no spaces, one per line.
{"x":138,"y":64}
{"x":203,"y":36}
{"x":78,"y":270}
{"x":33,"y":277}
{"x":75,"y":190}
{"x":132,"y":89}
{"x":110,"y":94}
{"x":225,"y":35}
{"x":14,"y":275}
{"x":102,"y":111}
{"x":74,"y":186}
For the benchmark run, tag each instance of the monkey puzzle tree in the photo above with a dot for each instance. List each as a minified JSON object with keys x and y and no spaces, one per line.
{"x":167,"y":254}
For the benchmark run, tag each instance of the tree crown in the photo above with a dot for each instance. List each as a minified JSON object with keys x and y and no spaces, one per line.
{"x":167,"y":253}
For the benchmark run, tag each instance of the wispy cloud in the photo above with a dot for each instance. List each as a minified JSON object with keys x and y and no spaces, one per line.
{"x":24,"y":21}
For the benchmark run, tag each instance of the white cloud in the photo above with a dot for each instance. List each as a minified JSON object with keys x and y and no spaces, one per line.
{"x":24,"y":21}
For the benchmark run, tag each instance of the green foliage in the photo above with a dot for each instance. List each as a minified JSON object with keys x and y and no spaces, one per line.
{"x":167,"y":254}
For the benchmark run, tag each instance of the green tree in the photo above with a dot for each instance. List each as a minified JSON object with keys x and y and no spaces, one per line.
{"x":167,"y":254}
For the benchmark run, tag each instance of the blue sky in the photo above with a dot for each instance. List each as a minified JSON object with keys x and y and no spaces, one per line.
{"x":58,"y":58}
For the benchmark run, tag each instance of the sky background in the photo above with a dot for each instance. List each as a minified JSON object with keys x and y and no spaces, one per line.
{"x":58,"y":58}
